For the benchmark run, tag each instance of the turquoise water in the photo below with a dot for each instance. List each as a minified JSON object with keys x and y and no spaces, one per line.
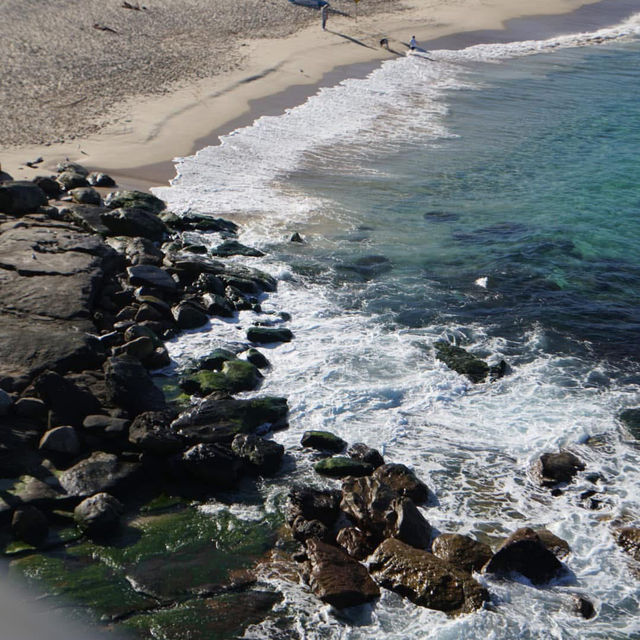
{"x":489,"y":196}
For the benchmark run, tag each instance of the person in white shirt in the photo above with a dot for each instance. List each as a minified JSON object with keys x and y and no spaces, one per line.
{"x":412,"y":43}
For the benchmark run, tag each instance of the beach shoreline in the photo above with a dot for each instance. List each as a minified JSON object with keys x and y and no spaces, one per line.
{"x":282,"y":73}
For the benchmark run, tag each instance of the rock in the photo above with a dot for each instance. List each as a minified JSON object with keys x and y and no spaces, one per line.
{"x":267,"y":335}
{"x":425,"y":579}
{"x":72,"y":180}
{"x":336,"y":578}
{"x":159,"y":359}
{"x":216,"y":359}
{"x":402,"y":480}
{"x":21,"y":197}
{"x":341,"y":467}
{"x":559,"y":547}
{"x":96,"y":179}
{"x":50,"y":186}
{"x":462,"y":552}
{"x":137,"y":250}
{"x":217,"y":305}
{"x":583,"y":607}
{"x":135,"y":199}
{"x":220,"y":417}
{"x":106,"y":426}
{"x":88,"y":217}
{"x":5,"y":402}
{"x":258,"y":359}
{"x":308,"y":503}
{"x":461,"y":361}
{"x":367,"y":267}
{"x":555,"y":468}
{"x":631,"y":420}
{"x":151,"y":431}
{"x":32,"y":408}
{"x":67,"y":402}
{"x":212,"y":464}
{"x":523,"y":552}
{"x":67,"y":165}
{"x":304,"y":530}
{"x":629,"y":539}
{"x":208,"y":283}
{"x":129,"y":386}
{"x":30,"y":525}
{"x":360,"y":451}
{"x":85,"y":195}
{"x":323,"y":441}
{"x":296,"y":237}
{"x":234,"y":248}
{"x":98,"y":515}
{"x":151,"y":276}
{"x":261,"y":456}
{"x":358,"y":544}
{"x":100,"y":472}
{"x":204,"y":222}
{"x":140,"y":348}
{"x":62,"y":440}
{"x":134,"y":222}
{"x":189,"y":315}
{"x":380,"y":511}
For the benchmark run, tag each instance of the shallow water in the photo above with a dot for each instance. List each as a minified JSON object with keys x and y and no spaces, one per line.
{"x":500,"y":185}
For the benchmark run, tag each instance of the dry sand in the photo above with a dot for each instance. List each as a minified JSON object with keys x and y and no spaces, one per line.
{"x":129,"y":99}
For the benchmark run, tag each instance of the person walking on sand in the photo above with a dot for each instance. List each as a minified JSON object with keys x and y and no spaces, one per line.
{"x":413,"y":43}
{"x":324,"y":13}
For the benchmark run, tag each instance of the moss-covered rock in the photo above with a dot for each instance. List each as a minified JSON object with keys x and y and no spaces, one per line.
{"x":631,"y":420}
{"x":236,"y":375}
{"x":323,"y":441}
{"x":341,"y":467}
{"x":130,"y":198}
{"x":461,"y":361}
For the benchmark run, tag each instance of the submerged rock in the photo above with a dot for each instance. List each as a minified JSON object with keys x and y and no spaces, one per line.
{"x":425,"y":579}
{"x":338,"y":579}
{"x":631,"y":420}
{"x":461,"y":361}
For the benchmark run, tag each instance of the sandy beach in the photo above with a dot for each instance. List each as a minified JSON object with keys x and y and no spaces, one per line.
{"x":125,"y":90}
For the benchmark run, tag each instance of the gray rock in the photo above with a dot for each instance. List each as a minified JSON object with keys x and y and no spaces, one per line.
{"x":85,"y":195}
{"x":189,"y":315}
{"x":100,"y":472}
{"x":134,"y":222}
{"x":96,"y":179}
{"x":235,"y":248}
{"x":148,"y":275}
{"x":88,"y":217}
{"x":62,"y":440}
{"x":151,"y":431}
{"x":106,"y":425}
{"x":21,"y":197}
{"x":139,"y":348}
{"x":425,"y":579}
{"x":98,"y":515}
{"x":135,"y":199}
{"x":72,"y":180}
{"x":216,"y":305}
{"x":338,"y":579}
{"x":67,"y":165}
{"x":50,"y":186}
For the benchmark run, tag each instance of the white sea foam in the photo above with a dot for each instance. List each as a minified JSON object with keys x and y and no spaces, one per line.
{"x":367,"y":380}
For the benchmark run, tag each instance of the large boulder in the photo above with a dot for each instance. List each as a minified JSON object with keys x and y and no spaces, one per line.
{"x":425,"y":579}
{"x":461,"y":551}
{"x":312,"y":504}
{"x":358,"y":544}
{"x":629,"y":539}
{"x":29,"y":524}
{"x":265,"y":335}
{"x":21,"y":197}
{"x":100,"y":472}
{"x":151,"y":431}
{"x":130,"y":386}
{"x":523,"y":552}
{"x":128,"y":199}
{"x":134,"y":222}
{"x":556,"y":468}
{"x":360,"y":451}
{"x":189,"y":315}
{"x":342,"y":467}
{"x":461,"y":361}
{"x":214,"y":465}
{"x":338,"y":579}
{"x":60,"y":440}
{"x":147,"y":275}
{"x":85,"y":195}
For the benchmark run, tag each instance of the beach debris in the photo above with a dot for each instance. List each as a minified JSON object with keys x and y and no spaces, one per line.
{"x":102,"y":27}
{"x":34,"y":163}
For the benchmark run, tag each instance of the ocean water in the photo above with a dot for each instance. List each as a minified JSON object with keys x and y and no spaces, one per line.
{"x":489,"y":196}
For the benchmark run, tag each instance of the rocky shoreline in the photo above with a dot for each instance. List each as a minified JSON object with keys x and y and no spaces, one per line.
{"x":105,"y":466}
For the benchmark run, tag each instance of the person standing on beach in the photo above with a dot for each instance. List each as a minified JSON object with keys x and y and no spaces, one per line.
{"x":413,"y":43}
{"x":324,"y":13}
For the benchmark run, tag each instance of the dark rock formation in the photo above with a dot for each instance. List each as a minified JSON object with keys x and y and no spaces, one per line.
{"x":212,"y":464}
{"x":260,"y":456}
{"x":523,"y":552}
{"x":267,"y":335}
{"x":134,"y":222}
{"x":461,"y":361}
{"x":629,"y":539}
{"x":98,"y":515}
{"x":341,"y":467}
{"x":631,"y":420}
{"x":356,"y":543}
{"x":151,"y":431}
{"x":555,"y":468}
{"x":21,"y":197}
{"x":403,"y":480}
{"x":134,"y":199}
{"x":338,"y":579}
{"x":360,"y":451}
{"x":425,"y":579}
{"x":234,"y":248}
{"x":30,"y":525}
